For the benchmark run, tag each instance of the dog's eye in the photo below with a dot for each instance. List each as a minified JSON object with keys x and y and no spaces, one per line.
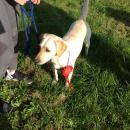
{"x":47,"y":50}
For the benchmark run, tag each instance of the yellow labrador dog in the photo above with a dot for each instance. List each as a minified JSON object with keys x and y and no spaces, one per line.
{"x":64,"y":51}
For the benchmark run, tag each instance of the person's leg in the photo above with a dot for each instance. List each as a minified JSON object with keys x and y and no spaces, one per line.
{"x":8,"y":38}
{"x":9,"y":41}
{"x":6,"y":55}
{"x":13,"y":19}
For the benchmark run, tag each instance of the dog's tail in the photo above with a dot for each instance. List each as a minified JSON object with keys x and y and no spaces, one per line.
{"x":84,"y":10}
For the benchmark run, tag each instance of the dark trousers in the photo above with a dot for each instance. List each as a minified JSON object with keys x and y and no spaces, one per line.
{"x":8,"y":36}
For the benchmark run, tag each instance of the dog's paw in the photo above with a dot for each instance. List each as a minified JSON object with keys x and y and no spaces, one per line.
{"x":54,"y":82}
{"x":66,"y":85}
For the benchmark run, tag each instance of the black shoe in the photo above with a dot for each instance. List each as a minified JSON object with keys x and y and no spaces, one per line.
{"x":19,"y":76}
{"x":4,"y":107}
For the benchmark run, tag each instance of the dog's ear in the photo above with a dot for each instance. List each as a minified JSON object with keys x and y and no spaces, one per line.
{"x":43,"y":36}
{"x":60,"y":47}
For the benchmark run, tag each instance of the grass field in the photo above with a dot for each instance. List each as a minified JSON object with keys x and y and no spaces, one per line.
{"x":101,"y":81}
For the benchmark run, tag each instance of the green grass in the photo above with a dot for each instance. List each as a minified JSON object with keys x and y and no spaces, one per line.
{"x":101,"y":99}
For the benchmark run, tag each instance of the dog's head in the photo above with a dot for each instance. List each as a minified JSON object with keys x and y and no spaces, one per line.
{"x":50,"y":46}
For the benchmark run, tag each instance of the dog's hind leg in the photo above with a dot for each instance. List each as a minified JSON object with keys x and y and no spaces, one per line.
{"x":87,"y":45}
{"x":87,"y":39}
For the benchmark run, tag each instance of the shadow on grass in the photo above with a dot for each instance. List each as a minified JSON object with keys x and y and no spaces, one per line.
{"x":52,"y":19}
{"x":119,"y":15}
{"x":107,"y":56}
{"x":49,"y":19}
{"x":4,"y":124}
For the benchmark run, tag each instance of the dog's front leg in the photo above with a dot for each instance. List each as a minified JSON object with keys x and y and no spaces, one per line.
{"x":69,"y":78}
{"x":56,"y":76}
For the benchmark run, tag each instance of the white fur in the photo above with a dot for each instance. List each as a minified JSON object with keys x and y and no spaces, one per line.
{"x":73,"y":40}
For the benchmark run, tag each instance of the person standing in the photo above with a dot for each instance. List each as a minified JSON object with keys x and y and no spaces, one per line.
{"x":9,"y":40}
